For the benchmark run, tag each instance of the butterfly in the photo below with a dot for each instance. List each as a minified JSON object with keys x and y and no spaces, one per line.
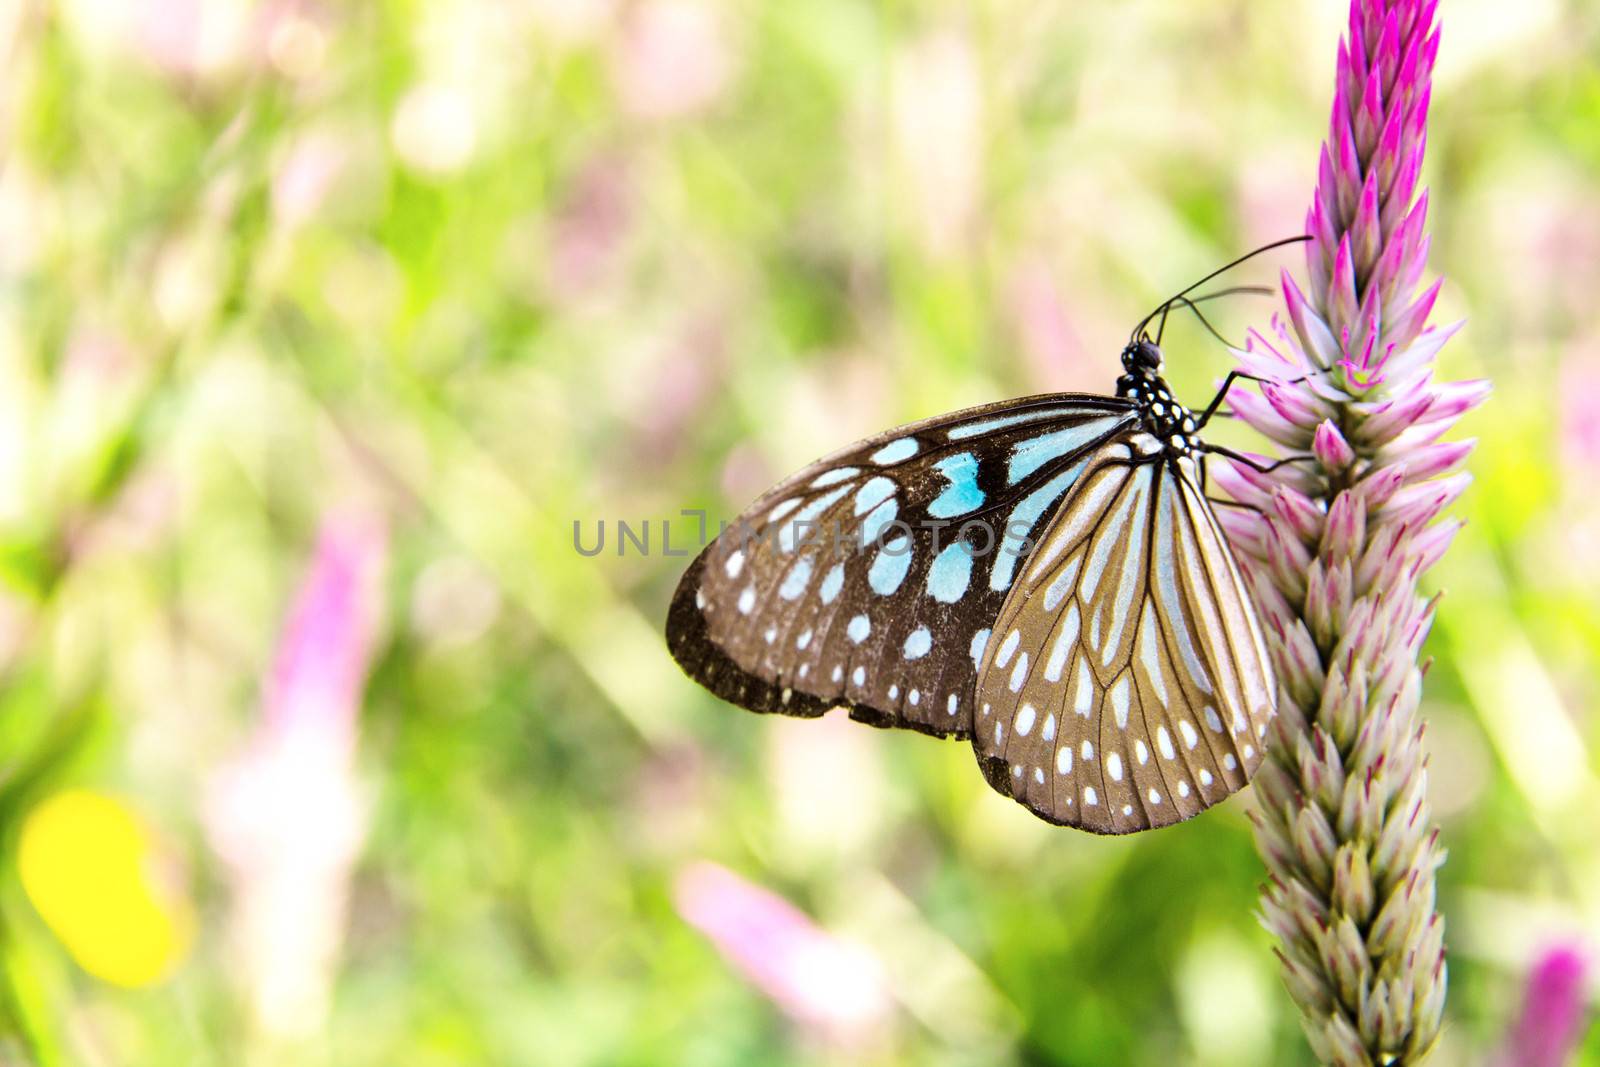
{"x":1042,"y":576}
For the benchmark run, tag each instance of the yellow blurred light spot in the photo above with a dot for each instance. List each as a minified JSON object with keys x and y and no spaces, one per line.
{"x":90,"y":866}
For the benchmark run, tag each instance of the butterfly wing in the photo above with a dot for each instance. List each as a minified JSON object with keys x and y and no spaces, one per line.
{"x":1128,"y":685}
{"x":845,"y":584}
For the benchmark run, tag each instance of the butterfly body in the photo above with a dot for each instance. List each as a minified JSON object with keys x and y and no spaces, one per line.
{"x":1042,"y":576}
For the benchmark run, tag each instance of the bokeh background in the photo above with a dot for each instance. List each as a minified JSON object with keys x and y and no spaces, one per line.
{"x":322,"y":324}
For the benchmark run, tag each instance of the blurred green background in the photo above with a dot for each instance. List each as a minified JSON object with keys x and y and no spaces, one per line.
{"x":320,"y":326}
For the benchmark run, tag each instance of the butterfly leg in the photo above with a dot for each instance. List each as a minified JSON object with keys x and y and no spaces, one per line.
{"x":1222,"y":394}
{"x":1260,"y":468}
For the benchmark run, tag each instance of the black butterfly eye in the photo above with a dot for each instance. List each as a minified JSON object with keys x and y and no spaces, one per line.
{"x":1147,"y":356}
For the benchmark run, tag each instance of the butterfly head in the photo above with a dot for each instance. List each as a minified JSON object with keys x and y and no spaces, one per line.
{"x":1142,"y":359}
{"x":1163,"y":416}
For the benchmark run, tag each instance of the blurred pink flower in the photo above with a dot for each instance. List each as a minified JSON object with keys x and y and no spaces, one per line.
{"x":1579,"y":402}
{"x":1050,"y":342}
{"x":306,"y":175}
{"x":286,"y":816}
{"x":590,"y":227}
{"x":1554,"y":1010}
{"x":672,"y":58}
{"x":834,"y":988}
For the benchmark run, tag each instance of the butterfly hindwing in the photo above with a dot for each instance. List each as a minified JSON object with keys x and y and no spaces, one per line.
{"x":848,"y":584}
{"x":1127,"y":685}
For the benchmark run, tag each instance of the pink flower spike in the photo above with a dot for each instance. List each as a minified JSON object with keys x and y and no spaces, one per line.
{"x":1410,"y":322}
{"x":1417,"y":505}
{"x":1437,"y":459}
{"x":1256,"y":412}
{"x":1428,"y":546}
{"x":1369,"y":116}
{"x":1331,"y":449}
{"x":1243,"y":526}
{"x":1454,"y":399}
{"x":1554,"y":1010}
{"x":1316,"y":340}
{"x":1234,"y":479}
{"x":1343,"y":300}
{"x":1377,"y":488}
{"x":1292,"y":404}
{"x":835,"y":988}
{"x":1298,"y":514}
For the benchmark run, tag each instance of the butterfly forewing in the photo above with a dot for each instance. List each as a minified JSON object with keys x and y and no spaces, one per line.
{"x":871,"y":578}
{"x":1127,"y":685}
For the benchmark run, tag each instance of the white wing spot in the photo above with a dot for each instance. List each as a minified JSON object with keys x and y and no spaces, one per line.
{"x":1016,"y":770}
{"x":1019,"y":673}
{"x":1142,"y":752}
{"x":859,"y":629}
{"x":1190,"y":738}
{"x":1083,"y":695}
{"x":1213,"y":720}
{"x":1064,"y":760}
{"x":1249,"y":751}
{"x":834,"y":477}
{"x":1089,"y":796}
{"x":1024,"y":720}
{"x":747,"y":600}
{"x":771,"y":635}
{"x":895,"y":451}
{"x":915,"y":697}
{"x":1127,"y":809}
{"x":950,"y":705}
{"x":699,"y":600}
{"x":1239,"y":725}
{"x":1155,"y":798}
{"x":1164,"y":743}
{"x":1114,"y":767}
{"x":1205,"y":777}
{"x":1048,"y":734}
{"x":999,"y":732}
{"x":838,"y":673}
{"x":831,"y":584}
{"x":918,"y":642}
{"x":735,"y":563}
{"x":1063,"y":646}
{"x":1229,"y":762}
{"x":1119,"y":701}
{"x":805,"y":669}
{"x":894,"y":692}
{"x":1087,"y":751}
{"x":859,"y":676}
{"x":1038,"y":775}
{"x":1183,"y":789}
{"x":980,"y":641}
{"x":873,"y":493}
{"x":803,"y":640}
{"x":1008,"y":648}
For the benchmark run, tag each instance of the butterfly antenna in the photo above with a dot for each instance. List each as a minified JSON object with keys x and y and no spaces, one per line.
{"x":1137,"y":330}
{"x":1191,"y":301}
{"x":1190,"y":304}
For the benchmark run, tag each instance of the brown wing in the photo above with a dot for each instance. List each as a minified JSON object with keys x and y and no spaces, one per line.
{"x":1128,"y":685}
{"x":846,"y":584}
